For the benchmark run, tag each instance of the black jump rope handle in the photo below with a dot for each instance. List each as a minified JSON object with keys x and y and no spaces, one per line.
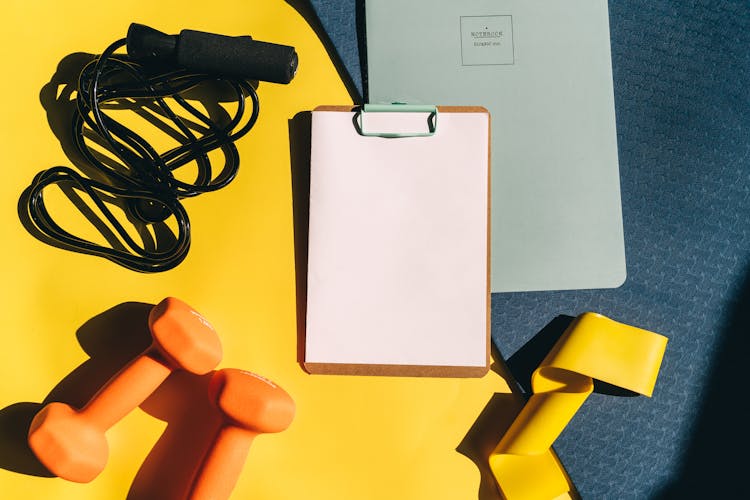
{"x":232,"y":56}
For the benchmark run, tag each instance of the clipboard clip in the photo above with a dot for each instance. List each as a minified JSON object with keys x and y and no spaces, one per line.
{"x":396,"y":107}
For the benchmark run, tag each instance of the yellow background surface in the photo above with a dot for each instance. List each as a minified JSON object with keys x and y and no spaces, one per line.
{"x":353,"y":437}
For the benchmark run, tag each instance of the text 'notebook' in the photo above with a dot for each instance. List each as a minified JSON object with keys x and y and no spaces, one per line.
{"x":398,"y":277}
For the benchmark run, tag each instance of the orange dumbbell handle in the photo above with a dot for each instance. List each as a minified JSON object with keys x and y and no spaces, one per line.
{"x":222,"y":464}
{"x":125,"y":391}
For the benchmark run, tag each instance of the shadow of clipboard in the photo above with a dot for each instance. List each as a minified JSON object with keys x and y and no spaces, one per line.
{"x":398,"y":257}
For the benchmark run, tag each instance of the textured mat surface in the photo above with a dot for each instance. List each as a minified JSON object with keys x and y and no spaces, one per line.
{"x":682,"y":93}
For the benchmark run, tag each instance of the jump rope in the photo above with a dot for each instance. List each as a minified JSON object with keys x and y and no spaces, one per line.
{"x":156,"y":74}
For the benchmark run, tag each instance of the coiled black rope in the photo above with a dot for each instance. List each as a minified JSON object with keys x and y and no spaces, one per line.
{"x":135,"y":177}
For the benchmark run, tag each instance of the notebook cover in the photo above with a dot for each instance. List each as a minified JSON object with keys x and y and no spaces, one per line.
{"x":543,"y":69}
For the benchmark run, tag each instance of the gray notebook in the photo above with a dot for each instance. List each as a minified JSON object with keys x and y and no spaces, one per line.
{"x":543,"y":70}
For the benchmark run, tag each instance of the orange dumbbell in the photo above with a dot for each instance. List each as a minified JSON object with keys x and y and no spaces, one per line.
{"x":71,"y":443}
{"x":250,"y":405}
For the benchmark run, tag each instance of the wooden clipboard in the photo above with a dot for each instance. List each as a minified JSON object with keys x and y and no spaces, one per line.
{"x":398,"y":257}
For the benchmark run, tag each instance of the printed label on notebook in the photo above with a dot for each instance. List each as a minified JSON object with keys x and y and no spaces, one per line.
{"x":486,"y":40}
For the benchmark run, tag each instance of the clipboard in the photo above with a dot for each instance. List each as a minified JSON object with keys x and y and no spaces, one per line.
{"x":398,"y":251}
